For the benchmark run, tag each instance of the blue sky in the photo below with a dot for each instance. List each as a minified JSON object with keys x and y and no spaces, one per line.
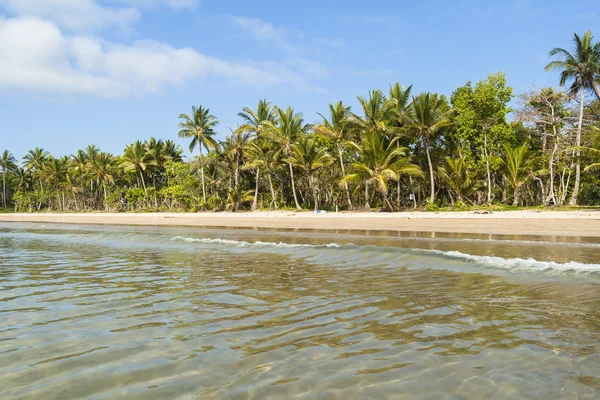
{"x":108,"y":72}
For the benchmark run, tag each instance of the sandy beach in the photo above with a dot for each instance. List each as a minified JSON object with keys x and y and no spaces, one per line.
{"x":546,"y":223}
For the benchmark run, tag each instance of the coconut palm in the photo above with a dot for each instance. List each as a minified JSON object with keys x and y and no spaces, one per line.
{"x":137,"y":159}
{"x":378,"y":112}
{"x":172,"y":151}
{"x":7,"y":163}
{"x":380,"y":161}
{"x":263,"y":155}
{"x":101,"y":170}
{"x":235,"y":148}
{"x":340,"y":131}
{"x":200,"y":128}
{"x":401,"y":99}
{"x":582,"y":68}
{"x":254,"y":120}
{"x":254,"y":123}
{"x":307,"y":155}
{"x":288,"y":128}
{"x":457,"y":177}
{"x":426,"y":116}
{"x":54,"y":173}
{"x":518,"y":169}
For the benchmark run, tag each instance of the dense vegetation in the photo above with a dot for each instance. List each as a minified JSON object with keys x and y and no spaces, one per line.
{"x":398,"y":150}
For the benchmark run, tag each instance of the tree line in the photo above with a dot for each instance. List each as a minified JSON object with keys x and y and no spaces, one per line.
{"x":398,"y":150}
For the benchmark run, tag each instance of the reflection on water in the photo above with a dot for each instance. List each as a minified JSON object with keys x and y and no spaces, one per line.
{"x":110,"y":313}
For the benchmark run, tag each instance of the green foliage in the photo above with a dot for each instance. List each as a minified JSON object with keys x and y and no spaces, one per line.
{"x":432,"y":206}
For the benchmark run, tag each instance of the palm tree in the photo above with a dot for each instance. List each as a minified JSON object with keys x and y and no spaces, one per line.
{"x":254,"y":122}
{"x":172,"y":151}
{"x":517,"y":168}
{"x":582,"y":68}
{"x":24,"y":179}
{"x":308,"y":156}
{"x":54,"y":173}
{"x":284,"y":132}
{"x":7,"y":163}
{"x":426,"y":117}
{"x":200,"y":128}
{"x":457,"y":177}
{"x":262,"y":155}
{"x":34,"y":159}
{"x":101,"y":170}
{"x":378,"y":112}
{"x":380,"y":161}
{"x":340,"y":131}
{"x":401,"y":99}
{"x":235,"y":148}
{"x":137,"y":159}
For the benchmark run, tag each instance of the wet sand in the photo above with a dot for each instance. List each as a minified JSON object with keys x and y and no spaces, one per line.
{"x":545,"y":223}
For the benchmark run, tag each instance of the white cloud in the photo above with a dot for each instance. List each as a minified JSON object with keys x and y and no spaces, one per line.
{"x":174,"y":4}
{"x":35,"y":56}
{"x":282,"y":38}
{"x":76,"y":15}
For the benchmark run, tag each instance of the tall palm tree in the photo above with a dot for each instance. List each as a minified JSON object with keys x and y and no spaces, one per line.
{"x":426,"y":117}
{"x":582,"y":67}
{"x":288,"y":128}
{"x":340,"y":131}
{"x":34,"y":159}
{"x":380,"y":161}
{"x":235,"y":148}
{"x":307,"y":155}
{"x":200,"y":128}
{"x":7,"y":163}
{"x":263,"y":155}
{"x":137,"y":159}
{"x":101,"y":170}
{"x":54,"y":173}
{"x":378,"y":112}
{"x":254,"y":122}
{"x":518,"y":168}
{"x":401,"y":98}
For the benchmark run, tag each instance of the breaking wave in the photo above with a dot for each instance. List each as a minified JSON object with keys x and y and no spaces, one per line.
{"x":394,"y":256}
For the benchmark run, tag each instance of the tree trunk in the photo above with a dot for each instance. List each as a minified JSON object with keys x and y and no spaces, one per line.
{"x":551,"y":195}
{"x":311,"y":182}
{"x":143,"y":183}
{"x":573,"y":200}
{"x":3,"y":188}
{"x":431,"y":181}
{"x":487,"y":169}
{"x":412,"y":189}
{"x":367,"y":196}
{"x":202,"y":173}
{"x":516,"y":196}
{"x":254,"y":202}
{"x":273,"y":199}
{"x":294,"y":187}
{"x":344,"y":175}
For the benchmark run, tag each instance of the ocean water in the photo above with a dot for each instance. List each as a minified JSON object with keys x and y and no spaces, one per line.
{"x":91,"y":312}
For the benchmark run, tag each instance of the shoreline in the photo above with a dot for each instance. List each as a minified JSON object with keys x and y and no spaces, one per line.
{"x":529,"y":223}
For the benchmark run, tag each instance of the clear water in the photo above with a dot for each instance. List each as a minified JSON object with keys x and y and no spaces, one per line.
{"x":160,"y":313}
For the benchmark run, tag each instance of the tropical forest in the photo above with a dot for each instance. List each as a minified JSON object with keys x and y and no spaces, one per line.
{"x":484,"y":146}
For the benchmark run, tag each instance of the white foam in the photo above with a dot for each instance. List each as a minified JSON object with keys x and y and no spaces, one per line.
{"x":242,"y":243}
{"x":520,"y":264}
{"x":510,"y":264}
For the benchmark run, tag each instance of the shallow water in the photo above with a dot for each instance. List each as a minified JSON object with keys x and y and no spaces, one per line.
{"x":123,"y":312}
